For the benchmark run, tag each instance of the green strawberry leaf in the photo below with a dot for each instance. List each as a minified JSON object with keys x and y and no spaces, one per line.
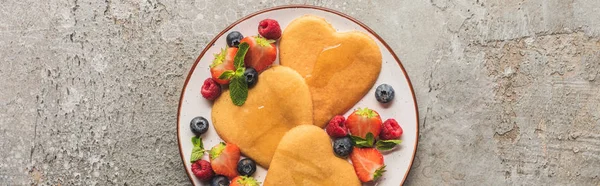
{"x":363,"y":142}
{"x":248,"y":181}
{"x":238,"y":61}
{"x":366,"y":112}
{"x":387,"y":144}
{"x":227,"y":74}
{"x":238,"y":89}
{"x":216,"y":150}
{"x":378,"y":173}
{"x":219,"y":58}
{"x":198,"y":150}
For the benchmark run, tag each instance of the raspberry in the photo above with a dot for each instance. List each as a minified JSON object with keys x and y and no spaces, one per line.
{"x":269,"y":29}
{"x":390,"y":130}
{"x":210,"y":89}
{"x":337,"y":127}
{"x":202,"y":170}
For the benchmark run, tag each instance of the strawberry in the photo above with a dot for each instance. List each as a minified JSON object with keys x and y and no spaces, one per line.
{"x":364,"y":121}
{"x":224,"y":158}
{"x":368,"y":163}
{"x":261,"y":53}
{"x":244,"y":181}
{"x":223,"y":62}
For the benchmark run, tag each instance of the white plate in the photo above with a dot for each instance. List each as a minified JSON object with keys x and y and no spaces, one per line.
{"x":403,"y":108}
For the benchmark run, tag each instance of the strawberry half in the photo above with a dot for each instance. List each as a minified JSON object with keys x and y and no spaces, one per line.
{"x":261,"y":53}
{"x":224,"y":158}
{"x":244,"y":181}
{"x":223,"y":62}
{"x":368,"y":163}
{"x":363,"y":121}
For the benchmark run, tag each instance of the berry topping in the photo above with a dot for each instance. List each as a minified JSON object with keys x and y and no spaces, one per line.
{"x":223,"y":62}
{"x":251,"y":77}
{"x":368,"y":163}
{"x":244,"y":181}
{"x":219,"y":180}
{"x":211,"y":90}
{"x":269,"y":29}
{"x":246,"y":167}
{"x":202,"y":170}
{"x":199,"y":125}
{"x":261,"y":53}
{"x":234,"y":38}
{"x":337,"y":127}
{"x":342,"y":146}
{"x":384,"y":93}
{"x":364,"y":121}
{"x":390,"y":130}
{"x":224,"y":158}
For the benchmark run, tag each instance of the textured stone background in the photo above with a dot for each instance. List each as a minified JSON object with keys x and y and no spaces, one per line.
{"x":508,"y":90}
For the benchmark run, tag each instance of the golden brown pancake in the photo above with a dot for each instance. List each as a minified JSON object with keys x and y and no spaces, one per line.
{"x":305,"y":157}
{"x":339,"y":67}
{"x":279,"y":101}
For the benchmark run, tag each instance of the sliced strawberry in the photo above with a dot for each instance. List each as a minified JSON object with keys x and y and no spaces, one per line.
{"x":261,"y":53}
{"x":224,"y":158}
{"x":223,"y":62}
{"x":368,"y":163}
{"x":244,"y":181}
{"x":363,"y":121}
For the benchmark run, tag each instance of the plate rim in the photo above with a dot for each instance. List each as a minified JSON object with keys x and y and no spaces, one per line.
{"x":364,"y":26}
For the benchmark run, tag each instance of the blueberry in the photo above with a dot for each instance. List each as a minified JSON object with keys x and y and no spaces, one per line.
{"x":342,"y":146}
{"x":219,"y":180}
{"x":251,"y":77}
{"x":246,"y":167}
{"x":234,"y":38}
{"x":384,"y":93}
{"x":199,"y":125}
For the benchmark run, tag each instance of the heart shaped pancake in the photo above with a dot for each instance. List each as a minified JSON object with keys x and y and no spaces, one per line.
{"x":339,"y":67}
{"x":305,"y":157}
{"x":279,"y":102}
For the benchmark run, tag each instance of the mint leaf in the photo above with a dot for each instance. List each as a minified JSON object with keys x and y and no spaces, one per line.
{"x":238,"y":61}
{"x":238,"y":89}
{"x":227,"y":74}
{"x":363,"y":142}
{"x":387,"y":144}
{"x":198,"y":150}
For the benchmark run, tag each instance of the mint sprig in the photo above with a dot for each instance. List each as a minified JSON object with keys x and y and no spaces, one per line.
{"x":387,"y":144}
{"x":198,"y":150}
{"x":363,"y":142}
{"x":238,"y":86}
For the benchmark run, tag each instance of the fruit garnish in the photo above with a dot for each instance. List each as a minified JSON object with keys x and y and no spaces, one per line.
{"x":197,"y":150}
{"x":202,"y":170}
{"x":244,"y":181}
{"x":387,"y":144}
{"x":219,"y":180}
{"x":261,"y":53}
{"x":224,"y":158}
{"x":233,"y":38}
{"x":342,"y":146}
{"x":246,"y":167}
{"x":368,"y":141}
{"x":199,"y":125}
{"x":237,"y":86}
{"x":269,"y":29}
{"x":223,"y":62}
{"x":363,"y":121}
{"x":368,"y":163}
{"x":384,"y":93}
{"x":251,"y":76}
{"x":211,"y":90}
{"x":390,"y":129}
{"x":337,"y":127}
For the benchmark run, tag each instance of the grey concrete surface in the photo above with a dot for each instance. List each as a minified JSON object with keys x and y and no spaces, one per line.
{"x":508,"y":90}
